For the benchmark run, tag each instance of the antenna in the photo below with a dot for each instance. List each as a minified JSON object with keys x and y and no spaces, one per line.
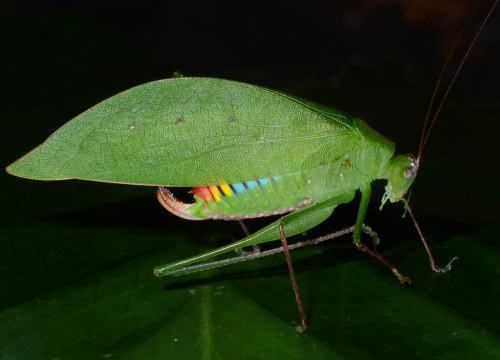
{"x":428,"y":125}
{"x":426,"y":131}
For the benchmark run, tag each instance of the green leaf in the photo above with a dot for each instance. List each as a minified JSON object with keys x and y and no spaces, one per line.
{"x":80,"y":286}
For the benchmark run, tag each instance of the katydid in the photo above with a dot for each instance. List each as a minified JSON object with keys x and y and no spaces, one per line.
{"x":245,"y":151}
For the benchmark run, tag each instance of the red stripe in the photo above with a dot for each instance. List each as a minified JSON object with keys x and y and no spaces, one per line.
{"x":202,"y":192}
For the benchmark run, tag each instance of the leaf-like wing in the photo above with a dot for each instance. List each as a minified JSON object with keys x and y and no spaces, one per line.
{"x":192,"y":131}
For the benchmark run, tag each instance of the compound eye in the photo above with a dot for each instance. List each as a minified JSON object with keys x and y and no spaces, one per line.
{"x":414,"y":164}
{"x":408,"y":173}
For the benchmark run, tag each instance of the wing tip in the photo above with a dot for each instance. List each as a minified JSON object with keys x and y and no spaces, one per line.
{"x":31,"y":166}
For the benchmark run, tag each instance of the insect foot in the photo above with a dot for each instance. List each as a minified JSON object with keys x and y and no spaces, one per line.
{"x":300,"y":328}
{"x":443,"y":269}
{"x":402,"y":279}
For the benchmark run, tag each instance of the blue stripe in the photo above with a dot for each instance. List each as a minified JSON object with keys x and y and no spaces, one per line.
{"x":251,"y":184}
{"x":239,"y":188}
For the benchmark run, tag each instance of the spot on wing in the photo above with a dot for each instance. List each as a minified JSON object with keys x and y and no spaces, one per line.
{"x":346,"y":164}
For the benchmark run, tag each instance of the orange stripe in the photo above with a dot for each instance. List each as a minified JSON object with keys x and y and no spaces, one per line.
{"x":215,"y":192}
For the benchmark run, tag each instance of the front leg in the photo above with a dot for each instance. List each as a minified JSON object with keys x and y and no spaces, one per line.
{"x":356,"y":237}
{"x":363,"y":206}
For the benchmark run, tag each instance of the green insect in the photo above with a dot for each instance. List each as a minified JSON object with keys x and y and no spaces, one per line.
{"x":245,"y":151}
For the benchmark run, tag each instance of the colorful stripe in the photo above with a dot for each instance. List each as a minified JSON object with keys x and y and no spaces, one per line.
{"x":250,"y":184}
{"x":203,"y":192}
{"x":226,"y":189}
{"x":216,"y":192}
{"x":237,"y":188}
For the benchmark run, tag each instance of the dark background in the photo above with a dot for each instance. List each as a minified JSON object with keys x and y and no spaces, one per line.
{"x":344,"y":54}
{"x":378,"y":60}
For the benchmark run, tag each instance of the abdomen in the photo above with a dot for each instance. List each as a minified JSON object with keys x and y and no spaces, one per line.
{"x":250,"y":199}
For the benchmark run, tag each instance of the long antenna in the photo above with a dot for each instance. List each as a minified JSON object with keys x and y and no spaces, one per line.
{"x":426,"y":131}
{"x":436,"y":87}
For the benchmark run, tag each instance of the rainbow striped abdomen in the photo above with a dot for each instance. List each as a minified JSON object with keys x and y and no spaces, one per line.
{"x":268,"y":196}
{"x":250,"y":199}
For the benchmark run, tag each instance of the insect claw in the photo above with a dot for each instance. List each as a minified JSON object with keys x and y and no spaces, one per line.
{"x":256,"y":249}
{"x":402,"y":279}
{"x":446,"y":268}
{"x":241,"y":252}
{"x":300,"y":328}
{"x":375,"y":238}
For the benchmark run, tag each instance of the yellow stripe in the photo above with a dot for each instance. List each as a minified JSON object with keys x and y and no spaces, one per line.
{"x":215,"y":192}
{"x":226,"y":189}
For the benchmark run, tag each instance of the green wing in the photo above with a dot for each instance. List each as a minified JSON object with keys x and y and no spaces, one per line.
{"x":191,"y":132}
